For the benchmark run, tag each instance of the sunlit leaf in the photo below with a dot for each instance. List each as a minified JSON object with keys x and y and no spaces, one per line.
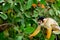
{"x":43,"y":2}
{"x":16,"y":8}
{"x":29,"y":4}
{"x":6,"y":6}
{"x":3,"y":16}
{"x":29,"y":30}
{"x":51,"y":12}
{"x":1,"y":1}
{"x":27,"y":15}
{"x":35,"y":21}
{"x":6,"y":34}
{"x":19,"y":38}
{"x":35,"y":14}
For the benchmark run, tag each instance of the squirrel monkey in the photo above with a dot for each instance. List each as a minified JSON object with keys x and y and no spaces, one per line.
{"x":50,"y":24}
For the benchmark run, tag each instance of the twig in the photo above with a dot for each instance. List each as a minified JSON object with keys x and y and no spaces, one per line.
{"x":7,"y":24}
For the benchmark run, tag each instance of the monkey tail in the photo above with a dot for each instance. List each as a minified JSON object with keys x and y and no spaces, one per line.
{"x":35,"y":32}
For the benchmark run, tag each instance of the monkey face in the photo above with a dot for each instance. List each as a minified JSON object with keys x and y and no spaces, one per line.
{"x":40,"y":23}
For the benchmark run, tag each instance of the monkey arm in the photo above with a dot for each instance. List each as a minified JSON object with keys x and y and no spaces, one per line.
{"x":49,"y":31}
{"x":56,"y":30}
{"x":35,"y":32}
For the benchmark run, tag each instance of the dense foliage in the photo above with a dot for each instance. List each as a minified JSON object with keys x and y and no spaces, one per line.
{"x":18,"y":19}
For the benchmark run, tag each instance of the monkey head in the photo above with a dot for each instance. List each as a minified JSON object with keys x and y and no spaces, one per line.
{"x":40,"y":19}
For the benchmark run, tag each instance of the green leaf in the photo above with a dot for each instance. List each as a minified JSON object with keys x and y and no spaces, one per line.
{"x":19,"y":38}
{"x":21,"y":1}
{"x":27,"y":15}
{"x":52,"y":37}
{"x":2,"y":36}
{"x":29,"y":4}
{"x":56,"y":12}
{"x":35,"y":1}
{"x":35,"y":14}
{"x":22,"y":23}
{"x":43,"y":2}
{"x":3,"y":16}
{"x":28,"y":24}
{"x":11,"y":2}
{"x":6,"y":6}
{"x":51,"y":12}
{"x":29,"y":30}
{"x":35,"y":21}
{"x":17,"y":19}
{"x":16,"y":28}
{"x":16,"y":8}
{"x":1,"y":1}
